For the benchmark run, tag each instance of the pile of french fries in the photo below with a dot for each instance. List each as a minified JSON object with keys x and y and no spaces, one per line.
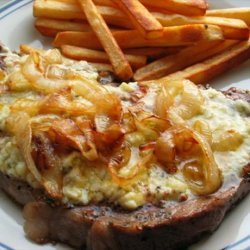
{"x":146,"y":40}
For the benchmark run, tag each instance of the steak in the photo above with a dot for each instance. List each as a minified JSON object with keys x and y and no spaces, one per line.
{"x":176,"y":225}
{"x":101,"y":227}
{"x":236,"y":94}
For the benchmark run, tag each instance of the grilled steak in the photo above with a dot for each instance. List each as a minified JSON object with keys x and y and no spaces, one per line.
{"x":101,"y":227}
{"x":126,"y":167}
{"x":236,"y":94}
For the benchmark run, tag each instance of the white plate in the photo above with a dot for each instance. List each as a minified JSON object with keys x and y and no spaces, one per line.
{"x":16,"y":22}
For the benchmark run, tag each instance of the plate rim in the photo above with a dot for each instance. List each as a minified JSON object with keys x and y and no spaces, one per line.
{"x":12,"y":6}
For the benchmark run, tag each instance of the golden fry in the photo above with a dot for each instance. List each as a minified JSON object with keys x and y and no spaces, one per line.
{"x":154,"y":53}
{"x":70,"y":11}
{"x":202,"y":72}
{"x":104,"y":2}
{"x":89,"y":55}
{"x":99,"y":2}
{"x":120,"y":64}
{"x":102,"y":67}
{"x":172,"y":36}
{"x":181,"y":31}
{"x":232,"y":28}
{"x":141,"y":18}
{"x":184,"y":58}
{"x":50,"y":27}
{"x":238,"y":13}
{"x":187,"y":7}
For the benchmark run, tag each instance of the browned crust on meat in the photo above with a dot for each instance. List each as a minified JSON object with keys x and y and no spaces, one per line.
{"x":101,"y":227}
{"x":236,"y":94}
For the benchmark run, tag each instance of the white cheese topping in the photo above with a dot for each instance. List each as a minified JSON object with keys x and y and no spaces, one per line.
{"x":85,"y":183}
{"x":223,"y":115}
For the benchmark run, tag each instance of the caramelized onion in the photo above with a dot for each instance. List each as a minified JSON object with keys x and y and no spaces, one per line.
{"x":67,"y":133}
{"x":194,"y":155}
{"x":156,"y":123}
{"x":19,"y":125}
{"x":128,"y":122}
{"x":147,"y":133}
{"x":90,"y":147}
{"x":52,"y":56}
{"x":165,"y":149}
{"x":104,"y":101}
{"x":60,"y":104}
{"x":203,"y":128}
{"x":35,"y":74}
{"x":43,"y":123}
{"x":163,"y":101}
{"x":48,"y":164}
{"x":228,"y":141}
{"x":102,"y":122}
{"x":127,"y":163}
{"x":147,"y":129}
{"x":3,"y":76}
{"x":178,"y":100}
{"x":191,"y":101}
{"x":17,"y":82}
{"x":30,"y":106}
{"x":37,"y":70}
{"x":111,"y":137}
{"x":53,"y":104}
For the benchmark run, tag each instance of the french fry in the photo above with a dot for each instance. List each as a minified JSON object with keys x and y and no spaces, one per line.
{"x":104,"y":2}
{"x":187,"y":7}
{"x":57,"y":10}
{"x":160,"y":10}
{"x":98,"y":2}
{"x":232,"y":28}
{"x":120,"y":64}
{"x":45,"y":31}
{"x":141,"y":18}
{"x":153,"y":53}
{"x":69,"y":11}
{"x":80,"y":39}
{"x":50,"y":27}
{"x":202,"y":72}
{"x":181,"y":60}
{"x":172,"y":36}
{"x":238,"y":13}
{"x":89,"y":55}
{"x":102,"y":67}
